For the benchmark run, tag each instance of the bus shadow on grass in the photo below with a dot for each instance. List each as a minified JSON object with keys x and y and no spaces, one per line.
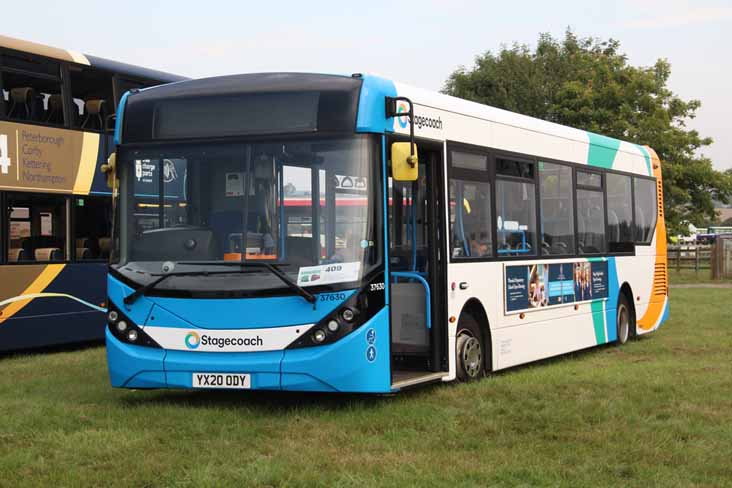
{"x":45,"y":350}
{"x":285,"y":402}
{"x":266,"y":401}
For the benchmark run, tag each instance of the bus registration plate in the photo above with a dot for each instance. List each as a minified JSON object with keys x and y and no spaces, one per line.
{"x":222,"y":380}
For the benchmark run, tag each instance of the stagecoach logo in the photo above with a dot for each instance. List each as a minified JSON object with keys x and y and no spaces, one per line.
{"x":403,"y":121}
{"x":4,"y":154}
{"x":193,"y":340}
{"x":420,"y":121}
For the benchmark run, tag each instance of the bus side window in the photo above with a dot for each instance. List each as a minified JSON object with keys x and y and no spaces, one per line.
{"x":515,"y":207}
{"x":91,"y":91}
{"x":590,"y":213}
{"x":645,"y":209}
{"x":36,"y":228}
{"x":32,"y":89}
{"x":470,"y":205}
{"x":619,"y":213}
{"x":557,"y":209}
{"x":92,"y":227}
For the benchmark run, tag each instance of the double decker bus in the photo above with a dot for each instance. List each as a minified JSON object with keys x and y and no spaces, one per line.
{"x":56,"y":122}
{"x":353,"y":234}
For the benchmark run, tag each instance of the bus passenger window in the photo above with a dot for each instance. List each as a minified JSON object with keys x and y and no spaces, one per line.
{"x":32,"y":89}
{"x":557,"y":209}
{"x":91,"y":91}
{"x":590,"y":222}
{"x":36,"y":228}
{"x":645,"y":209}
{"x":470,"y":205}
{"x":619,"y":213}
{"x":516,"y":218}
{"x":92,"y":227}
{"x":470,"y":219}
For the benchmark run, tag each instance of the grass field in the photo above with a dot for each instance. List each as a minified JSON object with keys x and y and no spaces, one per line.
{"x":656,"y":412}
{"x":689,"y":276}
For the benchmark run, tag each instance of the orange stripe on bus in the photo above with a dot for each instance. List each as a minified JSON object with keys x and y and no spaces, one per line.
{"x":44,"y":279}
{"x":657,"y":303}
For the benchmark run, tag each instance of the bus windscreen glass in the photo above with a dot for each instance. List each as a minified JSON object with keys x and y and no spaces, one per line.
{"x":305,"y":204}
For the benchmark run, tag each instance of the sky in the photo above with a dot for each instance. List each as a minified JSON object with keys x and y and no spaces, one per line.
{"x":417,"y":42}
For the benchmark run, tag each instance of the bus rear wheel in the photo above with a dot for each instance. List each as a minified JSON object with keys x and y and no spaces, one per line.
{"x":624,"y":319}
{"x":469,"y":350}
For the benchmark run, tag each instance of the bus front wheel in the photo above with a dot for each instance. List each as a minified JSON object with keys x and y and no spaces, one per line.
{"x":469,"y":350}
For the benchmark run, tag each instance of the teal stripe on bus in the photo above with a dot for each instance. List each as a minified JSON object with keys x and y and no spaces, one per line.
{"x":602,"y":150}
{"x":647,"y":157}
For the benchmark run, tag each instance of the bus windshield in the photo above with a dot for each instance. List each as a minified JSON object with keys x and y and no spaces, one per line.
{"x":306,"y":205}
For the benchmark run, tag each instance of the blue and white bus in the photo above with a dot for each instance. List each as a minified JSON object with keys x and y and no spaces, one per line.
{"x":351,"y":234}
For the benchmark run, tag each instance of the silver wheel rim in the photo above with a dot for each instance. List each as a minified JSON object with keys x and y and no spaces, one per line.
{"x":623,"y":324}
{"x":471,"y":355}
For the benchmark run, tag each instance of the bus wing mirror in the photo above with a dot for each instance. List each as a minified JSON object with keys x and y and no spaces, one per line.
{"x":404,"y":161}
{"x":110,"y":169}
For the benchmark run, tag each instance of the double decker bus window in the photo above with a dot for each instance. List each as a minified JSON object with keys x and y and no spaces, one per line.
{"x":32,"y":89}
{"x":92,"y":227}
{"x":36,"y":228}
{"x":32,"y":99}
{"x":91,"y":91}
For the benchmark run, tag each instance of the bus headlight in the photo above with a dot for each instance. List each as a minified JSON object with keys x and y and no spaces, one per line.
{"x":333,"y":326}
{"x":348,"y":315}
{"x":319,"y":335}
{"x":125,"y":330}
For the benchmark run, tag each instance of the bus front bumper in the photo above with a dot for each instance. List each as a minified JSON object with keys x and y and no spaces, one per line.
{"x":358,"y":362}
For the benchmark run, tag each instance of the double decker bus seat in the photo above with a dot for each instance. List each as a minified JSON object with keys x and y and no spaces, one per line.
{"x":49,"y":254}
{"x":18,"y":254}
{"x":83,"y":253}
{"x":22,"y":101}
{"x":95,"y":112}
{"x":91,"y":245}
{"x":55,"y":112}
{"x":105,"y":247}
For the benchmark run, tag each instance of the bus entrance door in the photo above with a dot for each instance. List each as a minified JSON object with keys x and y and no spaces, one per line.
{"x":414,"y":268}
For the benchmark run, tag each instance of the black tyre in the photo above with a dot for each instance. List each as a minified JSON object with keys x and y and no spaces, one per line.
{"x":624,"y":320}
{"x":469,"y":350}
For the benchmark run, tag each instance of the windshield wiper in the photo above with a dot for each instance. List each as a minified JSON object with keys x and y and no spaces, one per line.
{"x":268,"y":266}
{"x":130,"y":299}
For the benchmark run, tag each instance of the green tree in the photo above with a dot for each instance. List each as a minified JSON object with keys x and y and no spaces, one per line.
{"x":587,"y":83}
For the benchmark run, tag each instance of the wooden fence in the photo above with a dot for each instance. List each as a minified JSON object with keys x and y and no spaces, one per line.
{"x":696,"y":257}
